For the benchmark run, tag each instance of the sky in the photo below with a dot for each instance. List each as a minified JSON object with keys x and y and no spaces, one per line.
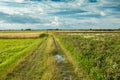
{"x":59,"y":14}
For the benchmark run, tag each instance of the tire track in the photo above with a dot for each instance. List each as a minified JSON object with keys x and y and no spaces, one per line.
{"x":47,"y":62}
{"x":78,"y":73}
{"x":26,"y":70}
{"x":67,"y":70}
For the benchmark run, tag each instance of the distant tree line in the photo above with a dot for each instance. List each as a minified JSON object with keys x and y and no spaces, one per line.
{"x":105,"y":29}
{"x":26,"y":29}
{"x":67,"y":29}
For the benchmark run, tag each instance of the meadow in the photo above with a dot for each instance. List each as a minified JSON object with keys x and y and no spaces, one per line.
{"x":59,"y":55}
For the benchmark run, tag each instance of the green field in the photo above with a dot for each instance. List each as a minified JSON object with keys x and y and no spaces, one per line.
{"x":59,"y":55}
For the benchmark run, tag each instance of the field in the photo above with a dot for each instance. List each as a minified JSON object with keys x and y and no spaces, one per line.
{"x":59,"y":55}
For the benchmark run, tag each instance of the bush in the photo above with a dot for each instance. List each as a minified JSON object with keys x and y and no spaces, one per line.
{"x":43,"y":35}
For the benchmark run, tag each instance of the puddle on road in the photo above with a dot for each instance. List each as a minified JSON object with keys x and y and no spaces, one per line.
{"x":65,"y":70}
{"x":59,"y":58}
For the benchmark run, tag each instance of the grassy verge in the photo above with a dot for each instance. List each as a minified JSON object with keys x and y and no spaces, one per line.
{"x":98,"y":56}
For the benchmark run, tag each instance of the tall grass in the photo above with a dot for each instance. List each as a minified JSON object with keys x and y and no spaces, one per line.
{"x":98,"y":56}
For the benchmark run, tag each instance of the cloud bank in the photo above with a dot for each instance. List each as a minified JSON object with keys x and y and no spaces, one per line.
{"x":62,"y":14}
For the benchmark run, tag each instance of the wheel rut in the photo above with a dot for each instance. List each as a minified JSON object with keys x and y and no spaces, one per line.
{"x":28,"y":68}
{"x":47,"y":62}
{"x":67,"y":70}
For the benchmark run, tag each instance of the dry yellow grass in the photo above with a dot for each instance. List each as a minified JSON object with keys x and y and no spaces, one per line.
{"x":19,"y":35}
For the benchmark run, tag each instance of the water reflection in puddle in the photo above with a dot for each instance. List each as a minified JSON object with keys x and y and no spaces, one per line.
{"x":59,"y":58}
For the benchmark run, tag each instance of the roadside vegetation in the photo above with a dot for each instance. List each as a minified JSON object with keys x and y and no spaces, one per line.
{"x":98,"y":54}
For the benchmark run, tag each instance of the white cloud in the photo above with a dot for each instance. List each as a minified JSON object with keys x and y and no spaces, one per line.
{"x":18,"y":1}
{"x":9,"y":10}
{"x":20,"y":10}
{"x":55,"y":22}
{"x":91,"y":20}
{"x":102,"y":13}
{"x":2,"y":21}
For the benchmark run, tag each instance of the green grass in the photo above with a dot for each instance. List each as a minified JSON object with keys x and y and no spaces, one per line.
{"x":97,"y":54}
{"x":10,"y":47}
{"x":12,"y":51}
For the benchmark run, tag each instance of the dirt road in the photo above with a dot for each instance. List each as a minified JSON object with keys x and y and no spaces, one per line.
{"x":47,"y":62}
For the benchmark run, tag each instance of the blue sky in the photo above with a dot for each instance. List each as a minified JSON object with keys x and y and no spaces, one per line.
{"x":62,"y":14}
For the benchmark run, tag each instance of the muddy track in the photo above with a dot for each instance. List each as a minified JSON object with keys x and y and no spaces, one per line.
{"x":72,"y":66}
{"x":67,"y":70}
{"x":47,"y":62}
